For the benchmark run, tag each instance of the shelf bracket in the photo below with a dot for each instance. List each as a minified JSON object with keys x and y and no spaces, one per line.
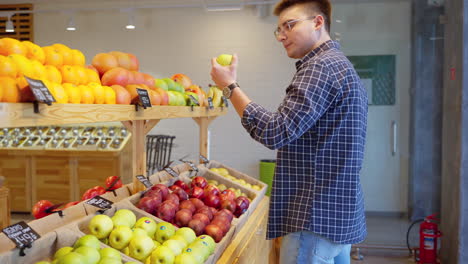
{"x":204,"y":141}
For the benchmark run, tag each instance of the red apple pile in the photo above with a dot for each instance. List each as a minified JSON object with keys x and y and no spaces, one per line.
{"x":198,"y":205}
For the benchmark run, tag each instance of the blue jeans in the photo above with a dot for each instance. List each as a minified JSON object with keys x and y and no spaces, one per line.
{"x":308,"y":248}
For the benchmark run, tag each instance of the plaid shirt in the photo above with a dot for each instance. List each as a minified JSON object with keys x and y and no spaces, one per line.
{"x":319,"y":131}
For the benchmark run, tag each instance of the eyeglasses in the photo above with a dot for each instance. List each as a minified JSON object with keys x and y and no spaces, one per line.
{"x":288,"y":25}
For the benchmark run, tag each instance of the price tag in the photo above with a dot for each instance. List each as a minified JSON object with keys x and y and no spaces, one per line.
{"x":21,"y":234}
{"x":40,"y":91}
{"x":225,"y":100}
{"x":204,"y":159}
{"x":190,"y":164}
{"x":146,"y":182}
{"x":171,"y":172}
{"x":144,"y":97}
{"x":194,"y":100}
{"x":100,"y":202}
{"x":210,"y":103}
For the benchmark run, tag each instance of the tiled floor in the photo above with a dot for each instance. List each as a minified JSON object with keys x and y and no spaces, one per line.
{"x":382,"y":231}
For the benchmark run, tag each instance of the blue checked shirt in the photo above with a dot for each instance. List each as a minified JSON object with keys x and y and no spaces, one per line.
{"x":319,"y":131}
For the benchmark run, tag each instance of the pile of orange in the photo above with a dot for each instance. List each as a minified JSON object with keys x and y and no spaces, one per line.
{"x":61,"y":68}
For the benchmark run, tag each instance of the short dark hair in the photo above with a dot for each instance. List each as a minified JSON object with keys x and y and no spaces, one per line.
{"x":323,"y":7}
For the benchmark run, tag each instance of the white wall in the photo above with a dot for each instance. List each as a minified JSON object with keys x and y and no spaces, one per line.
{"x":169,"y":41}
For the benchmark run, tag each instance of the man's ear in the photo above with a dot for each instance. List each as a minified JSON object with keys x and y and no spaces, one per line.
{"x":319,"y":22}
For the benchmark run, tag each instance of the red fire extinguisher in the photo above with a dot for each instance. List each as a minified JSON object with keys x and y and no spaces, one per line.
{"x":428,"y":236}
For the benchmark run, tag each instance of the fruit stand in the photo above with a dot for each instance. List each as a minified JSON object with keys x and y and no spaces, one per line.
{"x":245,"y":242}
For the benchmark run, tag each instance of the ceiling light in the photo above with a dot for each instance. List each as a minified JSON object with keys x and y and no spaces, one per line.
{"x":131,"y":20}
{"x":9,"y":26}
{"x":71,"y":23}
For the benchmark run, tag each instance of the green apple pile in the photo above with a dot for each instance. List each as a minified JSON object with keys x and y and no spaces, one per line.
{"x":225,"y":173}
{"x":86,"y":250}
{"x":146,"y":240}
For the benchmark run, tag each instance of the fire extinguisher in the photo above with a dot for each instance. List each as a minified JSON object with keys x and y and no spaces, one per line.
{"x":428,"y":237}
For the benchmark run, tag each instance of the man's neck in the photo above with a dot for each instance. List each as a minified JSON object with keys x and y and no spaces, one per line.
{"x":324,"y":38}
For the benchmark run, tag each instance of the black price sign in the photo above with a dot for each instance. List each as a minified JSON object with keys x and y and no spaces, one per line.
{"x":144,"y":180}
{"x":194,"y":100}
{"x":144,"y":97}
{"x":225,"y":100}
{"x":40,"y":91}
{"x":21,"y":234}
{"x":190,"y":164}
{"x":210,"y":103}
{"x":204,"y":159}
{"x":100,"y":202}
{"x":171,"y":172}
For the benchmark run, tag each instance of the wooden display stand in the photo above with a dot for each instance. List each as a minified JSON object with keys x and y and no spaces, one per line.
{"x":4,"y":207}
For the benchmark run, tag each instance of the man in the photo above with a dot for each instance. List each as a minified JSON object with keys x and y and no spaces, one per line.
{"x":319,"y":131}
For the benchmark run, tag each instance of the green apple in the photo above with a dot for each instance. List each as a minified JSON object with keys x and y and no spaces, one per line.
{"x":141,"y":247}
{"x":173,"y":98}
{"x":180,"y":98}
{"x":175,"y":245}
{"x":215,"y":170}
{"x":124,"y":217}
{"x":120,"y":237}
{"x":132,"y":262}
{"x":187,"y":233}
{"x":62,"y":252}
{"x":147,"y":224}
{"x":139,"y":232}
{"x":248,"y":185}
{"x":209,"y":242}
{"x":164,"y":231}
{"x":200,"y":253}
{"x":222,"y":187}
{"x":55,"y":261}
{"x":224,"y":59}
{"x":156,"y":244}
{"x":101,"y":226}
{"x":91,"y":254}
{"x":161,"y":84}
{"x":179,"y":238}
{"x":110,"y":261}
{"x":108,"y":252}
{"x":72,"y":258}
{"x":162,"y":255}
{"x":171,"y":85}
{"x":88,"y":241}
{"x":125,"y":250}
{"x":214,"y":182}
{"x":104,"y":240}
{"x":188,"y":101}
{"x":185,"y":258}
{"x":256,"y":187}
{"x":178,"y":88}
{"x":42,"y":262}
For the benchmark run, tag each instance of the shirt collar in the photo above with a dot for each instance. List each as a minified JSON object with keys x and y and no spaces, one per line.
{"x":329,"y":44}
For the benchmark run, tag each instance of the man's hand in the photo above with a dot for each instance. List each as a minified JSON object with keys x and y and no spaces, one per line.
{"x":224,"y":75}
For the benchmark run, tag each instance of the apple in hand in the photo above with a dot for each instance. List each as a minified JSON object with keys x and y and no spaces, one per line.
{"x":110,"y":180}
{"x":87,"y":241}
{"x":147,"y":224}
{"x":120,"y":237}
{"x":187,"y":233}
{"x":197,"y":225}
{"x":183,"y":217}
{"x":196,"y":192}
{"x":164,"y":231}
{"x":39,"y":210}
{"x":162,"y":255}
{"x":224,"y":60}
{"x":140,"y":247}
{"x":199,"y":182}
{"x":101,"y":226}
{"x":91,"y":255}
{"x":215,"y":232}
{"x":182,"y":185}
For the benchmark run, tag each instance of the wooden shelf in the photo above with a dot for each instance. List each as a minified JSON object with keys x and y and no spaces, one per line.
{"x":22,"y":114}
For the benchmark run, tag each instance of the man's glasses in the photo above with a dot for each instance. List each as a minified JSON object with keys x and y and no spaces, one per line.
{"x":288,"y":25}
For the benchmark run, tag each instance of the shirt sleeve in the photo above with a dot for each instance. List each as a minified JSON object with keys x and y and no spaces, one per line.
{"x":308,"y":97}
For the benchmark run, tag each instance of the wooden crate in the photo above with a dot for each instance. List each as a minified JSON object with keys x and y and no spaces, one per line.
{"x":4,"y":207}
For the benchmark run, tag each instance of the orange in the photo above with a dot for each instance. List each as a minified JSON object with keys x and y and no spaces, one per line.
{"x":87,"y":95}
{"x":22,"y":64}
{"x":53,"y":74}
{"x":81,"y":76}
{"x":98,"y":92}
{"x":12,"y":46}
{"x":92,"y":76}
{"x":65,"y":52}
{"x":78,"y":57}
{"x":25,"y":91}
{"x":73,"y":93}
{"x":59,"y":93}
{"x":52,"y":57}
{"x":39,"y":71}
{"x":7,"y":67}
{"x":34,"y":52}
{"x":109,"y":95}
{"x":69,"y":74}
{"x":9,"y":89}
